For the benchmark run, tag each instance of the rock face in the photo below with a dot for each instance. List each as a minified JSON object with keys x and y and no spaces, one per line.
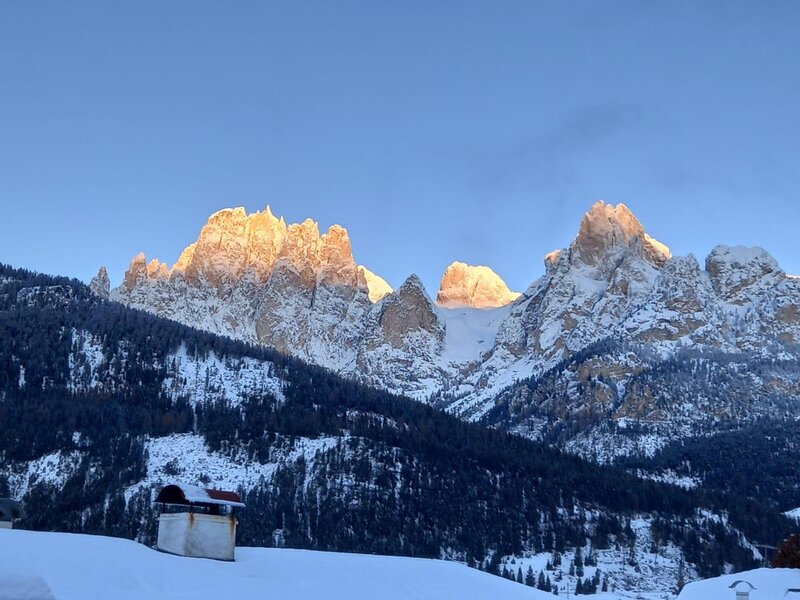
{"x":404,"y":338}
{"x":606,"y":230}
{"x":100,"y":285}
{"x":681,"y":305}
{"x":407,"y":311}
{"x":255,"y":278}
{"x":739,"y":274}
{"x":477,"y":287}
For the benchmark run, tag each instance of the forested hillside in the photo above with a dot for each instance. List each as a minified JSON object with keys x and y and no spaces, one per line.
{"x":101,"y":403}
{"x":617,"y":398}
{"x":760,"y":461}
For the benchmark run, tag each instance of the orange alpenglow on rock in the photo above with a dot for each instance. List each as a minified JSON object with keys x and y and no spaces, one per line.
{"x":233,"y":245}
{"x":473,"y":286}
{"x":377,"y":286}
{"x":605,"y":228}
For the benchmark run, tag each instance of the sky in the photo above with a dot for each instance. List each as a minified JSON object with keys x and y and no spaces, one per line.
{"x":432,"y":131}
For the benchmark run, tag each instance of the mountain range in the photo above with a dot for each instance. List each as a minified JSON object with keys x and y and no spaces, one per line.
{"x":614,"y":297}
{"x":105,"y":404}
{"x":267,"y":360}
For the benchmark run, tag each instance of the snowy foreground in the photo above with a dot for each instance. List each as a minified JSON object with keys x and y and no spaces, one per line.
{"x":61,"y":566}
{"x":769,"y":584}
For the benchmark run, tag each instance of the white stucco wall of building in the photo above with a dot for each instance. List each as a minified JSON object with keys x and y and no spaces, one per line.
{"x":197,"y":535}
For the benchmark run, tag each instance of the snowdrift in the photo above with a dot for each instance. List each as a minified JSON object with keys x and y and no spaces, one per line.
{"x":769,"y":584}
{"x":62,"y":566}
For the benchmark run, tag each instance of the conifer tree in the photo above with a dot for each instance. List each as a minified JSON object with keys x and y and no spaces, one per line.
{"x":529,"y":577}
{"x":632,"y":554}
{"x":681,"y":576}
{"x":494,"y":565}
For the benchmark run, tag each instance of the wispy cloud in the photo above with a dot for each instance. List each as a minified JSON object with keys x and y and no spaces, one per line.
{"x":545,"y":158}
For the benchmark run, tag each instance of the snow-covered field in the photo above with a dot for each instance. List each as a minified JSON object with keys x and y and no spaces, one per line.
{"x":763,"y":584}
{"x":61,"y":566}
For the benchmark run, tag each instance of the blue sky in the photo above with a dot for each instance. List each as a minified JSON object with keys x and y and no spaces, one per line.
{"x":473,"y":131}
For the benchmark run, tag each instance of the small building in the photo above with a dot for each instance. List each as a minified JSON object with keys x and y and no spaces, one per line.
{"x":197,"y":522}
{"x":10,"y":511}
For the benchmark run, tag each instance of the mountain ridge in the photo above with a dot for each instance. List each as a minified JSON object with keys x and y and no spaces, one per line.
{"x":255,"y":278}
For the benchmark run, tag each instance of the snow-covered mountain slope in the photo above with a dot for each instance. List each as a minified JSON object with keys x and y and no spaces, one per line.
{"x":62,"y":566}
{"x":254,"y":278}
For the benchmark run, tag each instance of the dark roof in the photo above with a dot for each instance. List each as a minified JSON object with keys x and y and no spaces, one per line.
{"x":229,"y":497}
{"x":734,"y":585}
{"x":181,"y":493}
{"x":10,"y":510}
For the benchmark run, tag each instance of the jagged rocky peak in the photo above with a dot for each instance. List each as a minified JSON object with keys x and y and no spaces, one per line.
{"x":738,"y":271}
{"x":606,"y":230}
{"x":407,"y":310}
{"x":412,"y":288}
{"x":473,"y":286}
{"x":140,"y":271}
{"x":335,"y":258}
{"x":376,"y":285}
{"x":551,"y":260}
{"x":587,"y":290}
{"x":100,"y":284}
{"x":234,"y":245}
{"x":136,"y":273}
{"x":318,"y":259}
